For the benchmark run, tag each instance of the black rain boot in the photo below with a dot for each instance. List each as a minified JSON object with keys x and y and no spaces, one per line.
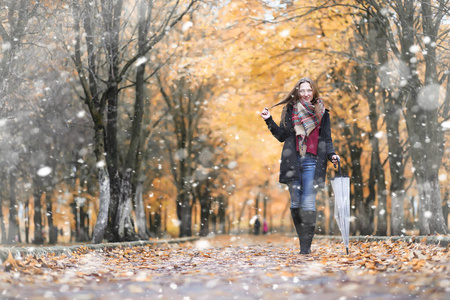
{"x":307,"y":227}
{"x":295,"y":213}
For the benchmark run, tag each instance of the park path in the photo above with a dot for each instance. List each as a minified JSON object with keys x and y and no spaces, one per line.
{"x":235,"y":267}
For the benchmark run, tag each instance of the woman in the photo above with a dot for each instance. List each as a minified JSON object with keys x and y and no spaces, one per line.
{"x":305,"y":130}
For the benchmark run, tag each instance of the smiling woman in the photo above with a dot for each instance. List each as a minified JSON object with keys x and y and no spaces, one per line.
{"x":305,"y":130}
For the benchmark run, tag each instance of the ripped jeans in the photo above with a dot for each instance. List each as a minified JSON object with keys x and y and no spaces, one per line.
{"x":302,"y":191}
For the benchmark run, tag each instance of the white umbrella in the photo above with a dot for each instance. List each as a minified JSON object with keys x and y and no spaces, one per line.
{"x":341,"y":188}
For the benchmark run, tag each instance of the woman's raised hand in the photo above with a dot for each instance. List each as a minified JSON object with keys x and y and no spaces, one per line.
{"x":265,"y":114}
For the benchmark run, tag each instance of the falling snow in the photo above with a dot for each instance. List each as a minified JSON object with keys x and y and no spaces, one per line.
{"x":44,"y":171}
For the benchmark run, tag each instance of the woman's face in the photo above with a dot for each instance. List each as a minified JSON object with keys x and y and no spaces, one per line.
{"x":305,"y":92}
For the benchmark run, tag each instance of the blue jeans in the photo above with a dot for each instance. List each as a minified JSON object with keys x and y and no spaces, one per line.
{"x":302,"y":191}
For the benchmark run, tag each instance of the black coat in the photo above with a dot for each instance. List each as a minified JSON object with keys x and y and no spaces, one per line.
{"x":290,"y":164}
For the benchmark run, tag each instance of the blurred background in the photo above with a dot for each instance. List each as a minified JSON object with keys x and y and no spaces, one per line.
{"x":124,"y":120}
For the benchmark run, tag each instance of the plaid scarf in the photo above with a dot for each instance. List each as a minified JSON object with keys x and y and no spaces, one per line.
{"x":305,"y":118}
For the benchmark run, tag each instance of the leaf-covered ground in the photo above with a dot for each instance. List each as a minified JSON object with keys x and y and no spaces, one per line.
{"x":235,"y":267}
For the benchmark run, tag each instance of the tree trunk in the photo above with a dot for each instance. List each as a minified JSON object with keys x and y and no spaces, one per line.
{"x":112,"y":161}
{"x":445,"y":209}
{"x":393,"y":112}
{"x":27,"y":221}
{"x":396,"y":167}
{"x":125,"y":225}
{"x":111,"y":15}
{"x":205,"y":208}
{"x":102,"y":217}
{"x":397,"y":212}
{"x":125,"y":228}
{"x":364,"y":218}
{"x":213,"y":219}
{"x":370,"y":90}
{"x":184,"y":212}
{"x":140,"y":213}
{"x":114,"y":200}
{"x":431,"y":218}
{"x":4,"y":239}
{"x":13,"y":230}
{"x":38,"y":230}
{"x":2,"y":223}
{"x":331,"y":222}
{"x":369,"y":203}
{"x":80,"y":207}
{"x":222,"y":213}
{"x":381,"y":197}
{"x":120,"y":223}
{"x":52,"y":229}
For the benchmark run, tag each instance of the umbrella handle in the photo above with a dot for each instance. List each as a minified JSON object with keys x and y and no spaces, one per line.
{"x":339,"y":166}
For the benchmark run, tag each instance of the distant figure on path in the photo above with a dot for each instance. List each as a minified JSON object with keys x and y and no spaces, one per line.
{"x":265,"y":227}
{"x":257,"y":226}
{"x":306,"y":132}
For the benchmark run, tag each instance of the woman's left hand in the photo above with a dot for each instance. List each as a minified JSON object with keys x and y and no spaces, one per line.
{"x":334,"y":159}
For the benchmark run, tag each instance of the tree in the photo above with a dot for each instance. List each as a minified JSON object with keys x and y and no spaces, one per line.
{"x":185,"y":100}
{"x":398,"y":155}
{"x":210,"y":179}
{"x":367,"y":33}
{"x":102,"y":73}
{"x":13,"y":31}
{"x":420,"y":94}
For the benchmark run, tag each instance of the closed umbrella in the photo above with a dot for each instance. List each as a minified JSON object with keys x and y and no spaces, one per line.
{"x":341,"y":188}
